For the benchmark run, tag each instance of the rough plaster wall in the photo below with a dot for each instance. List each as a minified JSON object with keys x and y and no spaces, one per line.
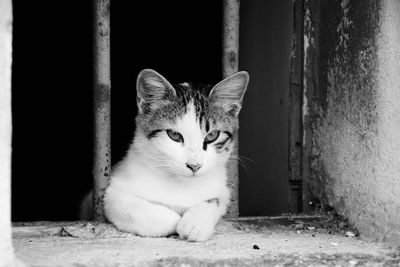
{"x":388,"y":106}
{"x":6,"y":249}
{"x":6,"y":253}
{"x":353,"y":112}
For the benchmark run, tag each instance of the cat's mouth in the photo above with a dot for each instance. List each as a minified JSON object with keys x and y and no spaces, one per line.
{"x":191,"y":175}
{"x":186,"y":173}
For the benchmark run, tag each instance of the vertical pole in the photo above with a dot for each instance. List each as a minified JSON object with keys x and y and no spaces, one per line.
{"x":230,"y":38}
{"x":296,"y":111}
{"x":6,"y":248}
{"x":230,"y":65}
{"x":102,"y":118}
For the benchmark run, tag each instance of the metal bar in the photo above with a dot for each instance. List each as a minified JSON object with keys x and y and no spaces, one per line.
{"x":102,"y":118}
{"x":295,"y":110}
{"x":230,"y":40}
{"x":230,"y":65}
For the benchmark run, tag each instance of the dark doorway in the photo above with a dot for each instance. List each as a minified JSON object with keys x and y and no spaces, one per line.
{"x":52,"y":92}
{"x":265,"y":45}
{"x":51,"y":108}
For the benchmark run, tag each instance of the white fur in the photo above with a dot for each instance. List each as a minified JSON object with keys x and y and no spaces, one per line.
{"x":153,"y":193}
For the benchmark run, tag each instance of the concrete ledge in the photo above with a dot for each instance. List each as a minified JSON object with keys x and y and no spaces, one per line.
{"x":244,"y":242}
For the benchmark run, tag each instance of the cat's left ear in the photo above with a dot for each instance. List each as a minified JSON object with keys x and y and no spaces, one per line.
{"x":152,"y":88}
{"x":229,"y":92}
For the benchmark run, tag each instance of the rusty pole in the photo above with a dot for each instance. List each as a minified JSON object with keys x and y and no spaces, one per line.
{"x":296,"y":110}
{"x":102,"y":114}
{"x":230,"y":65}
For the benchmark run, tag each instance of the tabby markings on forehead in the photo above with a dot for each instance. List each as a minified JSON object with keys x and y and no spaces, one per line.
{"x":198,"y":98}
{"x":207,"y":125}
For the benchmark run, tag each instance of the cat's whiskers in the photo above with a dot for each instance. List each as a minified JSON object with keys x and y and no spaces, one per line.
{"x":244,"y":162}
{"x":165,"y":164}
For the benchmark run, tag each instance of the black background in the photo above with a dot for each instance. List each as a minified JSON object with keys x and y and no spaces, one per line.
{"x":52,"y":87}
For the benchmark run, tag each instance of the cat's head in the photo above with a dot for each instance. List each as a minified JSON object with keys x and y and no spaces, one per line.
{"x":188,"y":131}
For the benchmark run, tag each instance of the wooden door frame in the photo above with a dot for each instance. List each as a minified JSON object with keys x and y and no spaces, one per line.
{"x":296,"y":129}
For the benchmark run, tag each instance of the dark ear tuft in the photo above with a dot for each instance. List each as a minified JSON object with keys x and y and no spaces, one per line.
{"x":151,"y":88}
{"x":229,"y":92}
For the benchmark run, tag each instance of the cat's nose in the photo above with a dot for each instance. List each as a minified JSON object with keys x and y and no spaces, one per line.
{"x":193,"y":167}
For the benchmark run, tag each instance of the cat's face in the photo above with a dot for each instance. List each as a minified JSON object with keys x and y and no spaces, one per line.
{"x":188,"y":131}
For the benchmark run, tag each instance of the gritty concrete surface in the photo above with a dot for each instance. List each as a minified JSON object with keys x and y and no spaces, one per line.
{"x":352,"y":112}
{"x":300,"y":241}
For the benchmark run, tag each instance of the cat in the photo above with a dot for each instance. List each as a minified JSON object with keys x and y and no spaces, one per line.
{"x":173,"y":179}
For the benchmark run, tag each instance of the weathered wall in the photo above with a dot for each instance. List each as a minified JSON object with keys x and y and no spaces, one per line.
{"x":352,"y":112}
{"x":6,"y":248}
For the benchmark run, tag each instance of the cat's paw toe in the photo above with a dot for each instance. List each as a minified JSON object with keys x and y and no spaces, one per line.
{"x":199,"y":235}
{"x":194,"y":230}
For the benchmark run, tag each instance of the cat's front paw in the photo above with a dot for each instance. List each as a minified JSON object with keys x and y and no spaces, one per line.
{"x":197,"y":224}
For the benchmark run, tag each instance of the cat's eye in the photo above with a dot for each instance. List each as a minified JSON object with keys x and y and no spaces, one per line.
{"x":175,"y":136}
{"x":211,"y":137}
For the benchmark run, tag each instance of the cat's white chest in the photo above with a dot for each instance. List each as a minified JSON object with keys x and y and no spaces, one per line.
{"x":175,"y":192}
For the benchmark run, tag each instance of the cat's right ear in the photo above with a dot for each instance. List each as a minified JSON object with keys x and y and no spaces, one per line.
{"x":229,"y":92}
{"x":151,"y":88}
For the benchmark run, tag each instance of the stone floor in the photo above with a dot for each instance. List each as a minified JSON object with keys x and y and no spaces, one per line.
{"x":279,"y":241}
